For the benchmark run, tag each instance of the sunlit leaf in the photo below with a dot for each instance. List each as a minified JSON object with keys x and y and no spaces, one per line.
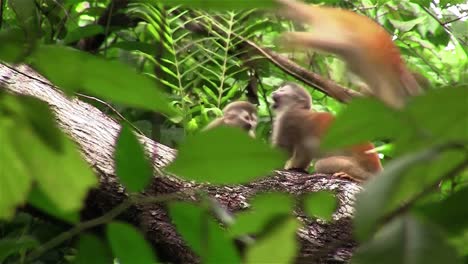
{"x":128,"y":244}
{"x":225,"y":155}
{"x":406,"y":240}
{"x":37,"y":115}
{"x":203,"y":234}
{"x":321,"y":204}
{"x":15,"y":178}
{"x":407,"y":25}
{"x":132,"y":165}
{"x":62,"y":175}
{"x":41,"y":201}
{"x":264,"y":207}
{"x":108,"y":79}
{"x":279,"y":246}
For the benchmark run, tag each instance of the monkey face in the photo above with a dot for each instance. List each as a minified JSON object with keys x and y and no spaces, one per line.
{"x":243,"y":119}
{"x":291,"y":95}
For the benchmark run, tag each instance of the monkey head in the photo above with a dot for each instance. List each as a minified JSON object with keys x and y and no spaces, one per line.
{"x":241,"y":114}
{"x":290,"y":95}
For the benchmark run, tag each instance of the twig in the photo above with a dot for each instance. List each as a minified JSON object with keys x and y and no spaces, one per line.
{"x":79,"y":228}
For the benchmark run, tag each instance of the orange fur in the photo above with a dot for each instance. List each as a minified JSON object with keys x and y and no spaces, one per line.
{"x":365,"y":46}
{"x":298,"y":130}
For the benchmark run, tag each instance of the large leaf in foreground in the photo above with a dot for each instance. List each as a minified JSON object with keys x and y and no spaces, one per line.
{"x":407,"y":240}
{"x":73,"y":70}
{"x":225,"y":155}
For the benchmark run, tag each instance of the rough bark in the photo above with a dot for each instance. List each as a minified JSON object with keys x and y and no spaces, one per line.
{"x":95,"y":133}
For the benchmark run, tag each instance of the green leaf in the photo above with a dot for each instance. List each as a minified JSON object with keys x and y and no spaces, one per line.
{"x":203,"y":234}
{"x":91,"y":250}
{"x":451,"y":214}
{"x":38,"y":117}
{"x":13,"y":49}
{"x":222,"y":5}
{"x":131,"y":164}
{"x":128,"y":245}
{"x":15,"y":180}
{"x":41,"y":201}
{"x":63,"y":176}
{"x":107,"y":79}
{"x":358,"y":123}
{"x":225,"y":155}
{"x":25,"y":11}
{"x":9,"y":246}
{"x":264,"y":207}
{"x":83,"y":32}
{"x":279,"y":246}
{"x":321,"y":204}
{"x":406,"y":240}
{"x":373,"y":203}
{"x":440,"y":127}
{"x":406,"y":26}
{"x":134,"y":45}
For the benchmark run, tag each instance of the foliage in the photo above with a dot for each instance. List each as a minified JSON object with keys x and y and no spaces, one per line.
{"x":187,"y":64}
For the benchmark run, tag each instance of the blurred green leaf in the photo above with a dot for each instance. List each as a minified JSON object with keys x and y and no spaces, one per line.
{"x":15,"y":178}
{"x":12,"y":48}
{"x":358,"y":123}
{"x":406,"y":240}
{"x":373,"y":203}
{"x":440,"y":127}
{"x":10,"y":246}
{"x":222,"y":5}
{"x":37,"y":116}
{"x":279,"y":246}
{"x":25,"y":11}
{"x":225,"y":155}
{"x":41,"y":201}
{"x":321,"y":205}
{"x":83,"y":32}
{"x":63,"y":176}
{"x":264,"y":207}
{"x":91,"y":250}
{"x":108,"y":79}
{"x":451,"y":214}
{"x":131,"y":164}
{"x":128,"y":244}
{"x":203,"y":234}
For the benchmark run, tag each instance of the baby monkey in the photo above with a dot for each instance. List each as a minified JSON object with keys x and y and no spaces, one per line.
{"x":298,"y":130}
{"x":237,"y":114}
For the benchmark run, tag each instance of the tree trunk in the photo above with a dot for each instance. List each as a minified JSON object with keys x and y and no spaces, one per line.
{"x":96,"y":133}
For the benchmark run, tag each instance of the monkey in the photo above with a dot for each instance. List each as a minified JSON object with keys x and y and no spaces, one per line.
{"x":365,"y":46}
{"x":298,"y":129}
{"x":239,"y":114}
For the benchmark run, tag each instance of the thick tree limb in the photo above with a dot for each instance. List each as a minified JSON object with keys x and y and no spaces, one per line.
{"x":95,"y":133}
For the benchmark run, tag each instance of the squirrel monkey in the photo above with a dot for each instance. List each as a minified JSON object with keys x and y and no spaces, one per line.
{"x":240,"y":114}
{"x":298,"y":130}
{"x":361,"y":42}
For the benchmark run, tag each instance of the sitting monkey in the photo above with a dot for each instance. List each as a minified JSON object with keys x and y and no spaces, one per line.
{"x":298,"y":130}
